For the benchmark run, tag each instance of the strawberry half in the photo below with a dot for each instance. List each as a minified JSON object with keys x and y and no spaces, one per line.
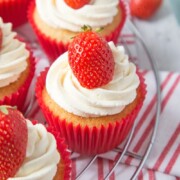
{"x":76,"y":4}
{"x":91,"y":59}
{"x":13,"y":141}
{"x":0,"y":38}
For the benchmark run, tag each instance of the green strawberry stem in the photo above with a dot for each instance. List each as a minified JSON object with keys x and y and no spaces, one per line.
{"x":4,"y":108}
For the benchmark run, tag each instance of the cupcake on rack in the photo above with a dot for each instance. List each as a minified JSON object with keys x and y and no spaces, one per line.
{"x":17,"y":67}
{"x":30,"y":151}
{"x":14,"y":11}
{"x":91,"y":94}
{"x":56,"y":22}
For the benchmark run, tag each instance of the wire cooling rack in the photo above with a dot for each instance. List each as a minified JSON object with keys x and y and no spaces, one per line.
{"x":124,"y":150}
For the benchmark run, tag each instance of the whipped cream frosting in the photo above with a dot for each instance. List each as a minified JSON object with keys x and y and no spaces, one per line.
{"x":13,"y":56}
{"x":57,"y":14}
{"x":66,"y":91}
{"x":42,"y":155}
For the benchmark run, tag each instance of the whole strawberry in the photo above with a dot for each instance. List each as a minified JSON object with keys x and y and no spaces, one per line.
{"x":144,"y":9}
{"x":76,"y":4}
{"x":0,"y":38}
{"x":91,"y":59}
{"x":13,"y":141}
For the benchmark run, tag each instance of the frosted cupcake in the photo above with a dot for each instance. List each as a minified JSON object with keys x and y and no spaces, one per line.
{"x":17,"y":67}
{"x":56,"y":22}
{"x":33,"y":151}
{"x":91,"y":94}
{"x":14,"y":11}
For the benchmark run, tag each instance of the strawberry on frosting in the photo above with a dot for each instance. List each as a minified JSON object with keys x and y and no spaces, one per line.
{"x":93,"y":78}
{"x":76,"y":4}
{"x":13,"y":141}
{"x":91,"y":59}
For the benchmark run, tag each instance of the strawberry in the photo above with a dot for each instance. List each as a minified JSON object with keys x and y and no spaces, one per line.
{"x":91,"y":59}
{"x":13,"y":141}
{"x":0,"y":38}
{"x":76,"y":4}
{"x":144,"y":9}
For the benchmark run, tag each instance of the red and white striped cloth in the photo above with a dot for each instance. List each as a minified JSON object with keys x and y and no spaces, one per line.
{"x":164,"y":160}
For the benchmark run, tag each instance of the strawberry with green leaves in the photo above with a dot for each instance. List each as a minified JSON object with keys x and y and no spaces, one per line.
{"x":13,"y":141}
{"x":76,"y":4}
{"x":91,"y":59}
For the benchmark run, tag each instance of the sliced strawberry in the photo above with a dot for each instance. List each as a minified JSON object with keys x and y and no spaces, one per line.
{"x":13,"y":141}
{"x":91,"y":60}
{"x":144,"y":9}
{"x":76,"y":4}
{"x":0,"y":38}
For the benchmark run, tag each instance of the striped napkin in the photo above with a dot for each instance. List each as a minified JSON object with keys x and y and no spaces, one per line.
{"x":164,"y":160}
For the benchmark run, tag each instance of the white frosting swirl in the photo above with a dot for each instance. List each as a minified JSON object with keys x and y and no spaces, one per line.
{"x":13,"y":56}
{"x":57,"y":14}
{"x":66,"y":91}
{"x":42,"y":155}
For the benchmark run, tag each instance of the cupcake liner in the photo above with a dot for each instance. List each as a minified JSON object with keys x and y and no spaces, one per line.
{"x":116,"y":33}
{"x":63,"y":150}
{"x":53,"y":49}
{"x":14,"y":11}
{"x":18,"y":98}
{"x":94,"y":140}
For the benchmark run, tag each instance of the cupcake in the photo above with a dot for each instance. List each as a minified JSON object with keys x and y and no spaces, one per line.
{"x":33,"y":151}
{"x":17,"y":67}
{"x":91,"y":94}
{"x":14,"y":11}
{"x":56,"y":22}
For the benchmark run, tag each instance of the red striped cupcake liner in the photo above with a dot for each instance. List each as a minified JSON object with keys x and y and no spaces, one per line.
{"x":90,"y":140}
{"x":64,"y":152}
{"x":54,"y":49}
{"x":14,"y":11}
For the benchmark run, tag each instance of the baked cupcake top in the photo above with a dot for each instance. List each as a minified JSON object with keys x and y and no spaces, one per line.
{"x":58,"y":14}
{"x":13,"y":55}
{"x":27,"y":151}
{"x":65,"y":87}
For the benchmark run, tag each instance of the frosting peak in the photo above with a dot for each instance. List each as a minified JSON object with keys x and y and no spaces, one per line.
{"x":58,"y":14}
{"x":66,"y":91}
{"x":13,"y":56}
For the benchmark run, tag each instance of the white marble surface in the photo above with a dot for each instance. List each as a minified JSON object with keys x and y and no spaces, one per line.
{"x":162,"y":34}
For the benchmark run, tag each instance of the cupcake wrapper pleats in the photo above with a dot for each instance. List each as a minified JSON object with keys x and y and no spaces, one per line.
{"x":14,"y":11}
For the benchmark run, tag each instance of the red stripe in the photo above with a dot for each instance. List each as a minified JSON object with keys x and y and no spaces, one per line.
{"x":100,"y":169}
{"x":167,"y":148}
{"x":111,"y":164}
{"x":171,"y":91}
{"x":146,"y":113}
{"x":128,"y":42}
{"x":144,"y":72}
{"x":140,"y":176}
{"x":128,"y":35}
{"x":173,"y":160}
{"x":73,"y":172}
{"x":149,"y":127}
{"x":151,"y":175}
